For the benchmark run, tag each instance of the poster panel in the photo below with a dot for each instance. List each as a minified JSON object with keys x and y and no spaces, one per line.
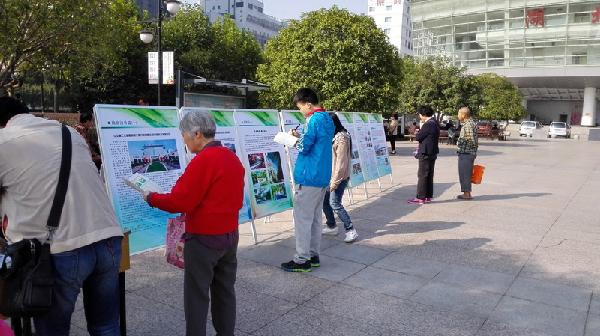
{"x":227,"y":134}
{"x":365,"y":146}
{"x":356,"y":173}
{"x":268,"y":169}
{"x":380,"y":145}
{"x":144,"y":140}
{"x":293,"y":120}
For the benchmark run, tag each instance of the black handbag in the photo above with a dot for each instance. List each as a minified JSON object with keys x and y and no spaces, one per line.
{"x":26,"y":271}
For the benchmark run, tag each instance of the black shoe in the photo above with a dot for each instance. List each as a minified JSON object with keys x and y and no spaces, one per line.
{"x":292,"y":266}
{"x":315,"y":261}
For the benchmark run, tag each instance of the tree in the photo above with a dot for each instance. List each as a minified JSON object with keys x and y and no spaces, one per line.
{"x":343,"y":56}
{"x":111,"y":67}
{"x":33,"y":33}
{"x":501,"y":99}
{"x":439,"y":84}
{"x":218,"y":51}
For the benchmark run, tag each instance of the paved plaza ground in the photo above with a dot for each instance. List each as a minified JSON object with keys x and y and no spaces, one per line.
{"x":521,"y":259}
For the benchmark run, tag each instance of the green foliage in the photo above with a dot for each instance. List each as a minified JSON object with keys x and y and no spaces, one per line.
{"x":438,"y":83}
{"x":501,"y":99}
{"x":32,"y":32}
{"x":343,"y":56}
{"x":218,"y":51}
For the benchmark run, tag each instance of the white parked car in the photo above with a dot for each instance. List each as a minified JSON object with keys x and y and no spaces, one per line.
{"x":527,"y":128}
{"x":559,"y":129}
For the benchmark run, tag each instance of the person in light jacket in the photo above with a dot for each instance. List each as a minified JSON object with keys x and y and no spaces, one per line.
{"x":340,"y":176}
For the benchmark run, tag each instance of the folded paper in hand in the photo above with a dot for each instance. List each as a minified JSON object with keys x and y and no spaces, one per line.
{"x":286,"y":139}
{"x":142,"y":184}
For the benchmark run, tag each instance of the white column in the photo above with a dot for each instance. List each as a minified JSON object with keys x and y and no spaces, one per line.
{"x":588,"y":115}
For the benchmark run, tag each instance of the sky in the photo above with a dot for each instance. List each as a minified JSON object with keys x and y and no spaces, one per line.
{"x":293,"y":9}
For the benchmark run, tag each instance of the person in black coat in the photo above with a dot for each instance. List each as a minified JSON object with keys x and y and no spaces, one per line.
{"x":428,"y":138}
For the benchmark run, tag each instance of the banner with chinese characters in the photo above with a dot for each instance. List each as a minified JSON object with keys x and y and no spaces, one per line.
{"x":144,"y":140}
{"x":356,"y":170}
{"x":227,"y":135}
{"x":380,"y":145}
{"x":267,"y":166}
{"x":365,"y":145}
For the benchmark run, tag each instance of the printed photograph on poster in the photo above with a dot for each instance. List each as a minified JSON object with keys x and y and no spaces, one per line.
{"x":381,"y":150}
{"x":356,"y":169}
{"x":262,"y":194}
{"x":256,"y":161}
{"x":278,"y":191}
{"x":260,"y":178}
{"x":274,"y":167}
{"x":153,"y":156}
{"x":230,"y":146}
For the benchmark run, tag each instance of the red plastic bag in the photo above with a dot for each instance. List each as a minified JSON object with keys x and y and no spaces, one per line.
{"x":477,"y":176}
{"x":175,"y":242}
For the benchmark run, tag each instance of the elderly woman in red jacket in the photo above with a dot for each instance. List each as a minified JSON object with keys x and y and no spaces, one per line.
{"x":210,"y":194}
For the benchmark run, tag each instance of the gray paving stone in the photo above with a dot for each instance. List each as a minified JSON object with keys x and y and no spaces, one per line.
{"x":389,"y":313}
{"x":148,"y":268}
{"x":475,"y":279}
{"x":593,"y":326}
{"x":550,"y":320}
{"x":326,"y":242}
{"x":386,"y":282}
{"x":273,"y":255}
{"x":595,"y":305}
{"x":251,"y":312}
{"x":502,"y":329}
{"x":410,"y":265}
{"x":356,"y":253}
{"x":457,"y":298}
{"x":335,"y":269}
{"x":305,"y":321}
{"x":551,"y":294}
{"x":273,"y":281}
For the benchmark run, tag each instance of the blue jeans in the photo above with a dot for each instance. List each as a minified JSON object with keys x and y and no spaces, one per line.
{"x":95,"y":268}
{"x":333,"y":202}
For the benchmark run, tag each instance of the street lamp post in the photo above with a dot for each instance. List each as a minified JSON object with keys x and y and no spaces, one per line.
{"x":173,"y":6}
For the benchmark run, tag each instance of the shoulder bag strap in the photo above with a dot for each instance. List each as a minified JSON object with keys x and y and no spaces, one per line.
{"x":63,"y":180}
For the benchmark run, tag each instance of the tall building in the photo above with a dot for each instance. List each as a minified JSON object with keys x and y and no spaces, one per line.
{"x":148,"y":5}
{"x":549,"y":48}
{"x":393,"y":17}
{"x":248,"y":15}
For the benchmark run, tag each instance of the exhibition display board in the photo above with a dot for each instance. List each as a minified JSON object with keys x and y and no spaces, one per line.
{"x":147,"y":141}
{"x":380,"y":145}
{"x":265,"y":161}
{"x":144,"y":140}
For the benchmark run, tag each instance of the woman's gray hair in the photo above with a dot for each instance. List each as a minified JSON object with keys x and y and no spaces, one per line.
{"x":198,"y":122}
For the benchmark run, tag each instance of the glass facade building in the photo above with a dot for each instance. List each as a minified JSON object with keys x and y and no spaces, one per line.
{"x":509,"y":33}
{"x":549,"y":48}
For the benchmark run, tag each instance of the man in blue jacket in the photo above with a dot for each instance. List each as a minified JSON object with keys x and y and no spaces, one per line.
{"x":311,"y":177}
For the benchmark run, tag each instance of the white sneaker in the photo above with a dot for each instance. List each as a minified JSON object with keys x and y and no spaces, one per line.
{"x":351,"y":236}
{"x":329,"y":231}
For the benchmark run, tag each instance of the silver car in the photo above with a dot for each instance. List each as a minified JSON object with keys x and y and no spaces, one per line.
{"x":559,"y":129}
{"x":527,"y":128}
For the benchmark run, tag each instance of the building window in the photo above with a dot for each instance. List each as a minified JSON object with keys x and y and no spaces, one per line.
{"x":387,"y":31}
{"x":398,"y":2}
{"x":250,"y":6}
{"x":388,"y":8}
{"x":388,"y":19}
{"x":259,"y":9}
{"x":380,"y":2}
{"x":371,"y":9}
{"x":239,"y":4}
